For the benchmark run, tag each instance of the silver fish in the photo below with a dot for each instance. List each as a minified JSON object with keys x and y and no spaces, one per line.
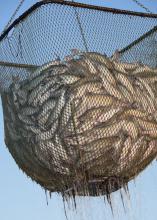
{"x":148,"y":88}
{"x":125,"y":82}
{"x":127,"y":94}
{"x":22,"y":96}
{"x":33,"y":83}
{"x":25,"y":119}
{"x":46,"y":135}
{"x":12,"y":132}
{"x":34,"y":94}
{"x":91,"y":66}
{"x":144,"y":71}
{"x":119,"y":68}
{"x":112,"y":90}
{"x":33,"y":129}
{"x":69,"y":79}
{"x":151,"y":150}
{"x":98,"y":133}
{"x":57,"y":109}
{"x":47,"y":109}
{"x":137,"y":151}
{"x":44,"y":67}
{"x":96,"y":57}
{"x":29,"y":111}
{"x":105,"y":73}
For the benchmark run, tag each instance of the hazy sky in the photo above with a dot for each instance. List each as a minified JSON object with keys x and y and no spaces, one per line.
{"x":20,"y":198}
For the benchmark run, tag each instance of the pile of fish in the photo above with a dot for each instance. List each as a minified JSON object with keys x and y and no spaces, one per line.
{"x":88,"y":117}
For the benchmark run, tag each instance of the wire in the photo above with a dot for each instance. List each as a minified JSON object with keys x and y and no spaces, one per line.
{"x":13,"y":16}
{"x":142,"y":6}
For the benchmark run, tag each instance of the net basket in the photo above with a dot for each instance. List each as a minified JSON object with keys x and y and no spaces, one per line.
{"x":78,"y":88}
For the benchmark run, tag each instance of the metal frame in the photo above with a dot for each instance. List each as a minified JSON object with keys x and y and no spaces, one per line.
{"x":138,"y":40}
{"x":18,"y":65}
{"x":72,"y":4}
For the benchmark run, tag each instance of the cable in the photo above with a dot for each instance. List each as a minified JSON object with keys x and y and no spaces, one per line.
{"x":142,"y":6}
{"x":13,"y":16}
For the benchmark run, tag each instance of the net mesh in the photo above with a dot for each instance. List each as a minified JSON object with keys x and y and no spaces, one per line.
{"x":78,"y":88}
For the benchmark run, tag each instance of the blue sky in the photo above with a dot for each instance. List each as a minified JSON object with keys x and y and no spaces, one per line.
{"x":20,"y":198}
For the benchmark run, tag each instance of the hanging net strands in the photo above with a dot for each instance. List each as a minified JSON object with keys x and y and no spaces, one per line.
{"x":79,"y":96}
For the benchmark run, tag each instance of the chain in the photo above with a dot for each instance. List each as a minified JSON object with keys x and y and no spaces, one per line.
{"x":142,"y":6}
{"x":14,"y":14}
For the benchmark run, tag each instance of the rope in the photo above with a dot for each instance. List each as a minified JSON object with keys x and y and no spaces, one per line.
{"x":142,"y":6}
{"x":81,"y":29}
{"x":14,"y":14}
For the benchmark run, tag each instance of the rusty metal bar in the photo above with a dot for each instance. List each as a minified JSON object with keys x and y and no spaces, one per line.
{"x":17,"y":65}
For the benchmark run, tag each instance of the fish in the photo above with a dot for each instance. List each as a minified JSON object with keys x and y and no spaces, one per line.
{"x":22,"y":96}
{"x":99,"y":58}
{"x":89,"y":119}
{"x":97,"y":133}
{"x":151,"y":103}
{"x":111,"y":90}
{"x":142,"y":100}
{"x":150,"y":80}
{"x":33,"y":83}
{"x":94,"y":101}
{"x":131,"y":129}
{"x":137,"y":150}
{"x":69,"y":79}
{"x":93,"y":88}
{"x":77,"y":68}
{"x":146,"y":100}
{"x":66,"y":115}
{"x":34,"y":94}
{"x":144,"y":71}
{"x":126,"y":149}
{"x":118,"y":67}
{"x":33,"y":129}
{"x":106,"y":73}
{"x":129,"y":66}
{"x":41,"y":98}
{"x":60,"y":148}
{"x":97,"y":146}
{"x":28,"y":111}
{"x":47,"y":135}
{"x":47,"y":109}
{"x":148,"y":128}
{"x":57,"y":109}
{"x":135,"y":113}
{"x":104,"y":117}
{"x":125,"y":82}
{"x":98,"y":149}
{"x":91,"y":66}
{"x":147,"y":87}
{"x":25,"y":119}
{"x":127,"y":94}
{"x":12,"y":132}
{"x":11,"y":113}
{"x":150,"y":151}
{"x":43,"y":68}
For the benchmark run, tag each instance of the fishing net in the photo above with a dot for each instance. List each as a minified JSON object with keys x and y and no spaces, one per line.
{"x":78,"y":86}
